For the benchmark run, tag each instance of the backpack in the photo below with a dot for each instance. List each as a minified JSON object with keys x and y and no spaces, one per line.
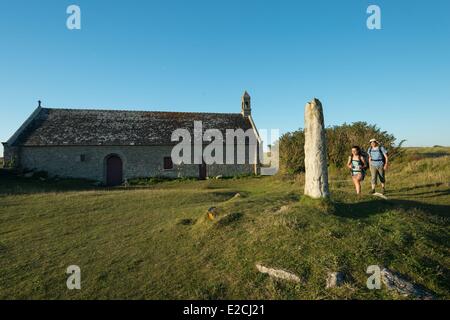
{"x":381,"y":153}
{"x":363,"y":156}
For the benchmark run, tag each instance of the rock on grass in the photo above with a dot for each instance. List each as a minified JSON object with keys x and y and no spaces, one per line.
{"x":283,"y":209}
{"x":335,"y":279}
{"x":396,"y":282}
{"x":278,"y":273}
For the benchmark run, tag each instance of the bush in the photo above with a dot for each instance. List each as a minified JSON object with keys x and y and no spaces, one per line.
{"x":291,"y":152}
{"x":340,"y":139}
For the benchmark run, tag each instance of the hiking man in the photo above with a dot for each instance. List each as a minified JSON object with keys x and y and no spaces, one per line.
{"x":378,"y":159}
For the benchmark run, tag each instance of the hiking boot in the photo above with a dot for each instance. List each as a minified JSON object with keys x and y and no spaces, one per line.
{"x":383,"y":191}
{"x":373,"y":191}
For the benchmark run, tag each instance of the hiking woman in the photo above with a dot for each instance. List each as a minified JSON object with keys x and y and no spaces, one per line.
{"x":357,"y":165}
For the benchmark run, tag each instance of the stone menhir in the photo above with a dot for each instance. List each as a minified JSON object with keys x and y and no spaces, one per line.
{"x":316,"y":176}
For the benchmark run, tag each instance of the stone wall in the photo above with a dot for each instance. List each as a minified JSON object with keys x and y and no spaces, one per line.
{"x":138,"y":162}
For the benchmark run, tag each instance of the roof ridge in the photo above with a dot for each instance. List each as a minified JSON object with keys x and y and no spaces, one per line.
{"x":140,"y":111}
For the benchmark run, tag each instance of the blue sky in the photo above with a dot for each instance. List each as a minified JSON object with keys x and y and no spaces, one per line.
{"x":201,"y":55}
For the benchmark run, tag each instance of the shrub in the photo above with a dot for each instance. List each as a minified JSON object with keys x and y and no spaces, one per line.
{"x":10,"y":164}
{"x":291,"y":152}
{"x":340,"y":139}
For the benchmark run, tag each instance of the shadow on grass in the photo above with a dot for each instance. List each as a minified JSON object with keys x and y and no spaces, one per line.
{"x":366,"y":209}
{"x":438,"y":268}
{"x":429,"y":185}
{"x":426,"y":194}
{"x":18,"y":185}
{"x":15,"y":185}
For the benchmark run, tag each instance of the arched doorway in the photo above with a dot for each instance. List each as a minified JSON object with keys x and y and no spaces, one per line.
{"x":202,"y":171}
{"x":114,"y":170}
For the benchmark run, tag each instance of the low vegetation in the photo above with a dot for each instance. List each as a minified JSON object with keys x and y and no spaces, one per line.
{"x":155,"y":240}
{"x":340,"y":139}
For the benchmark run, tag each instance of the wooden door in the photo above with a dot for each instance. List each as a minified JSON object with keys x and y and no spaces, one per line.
{"x":202,"y":171}
{"x":114,"y":171}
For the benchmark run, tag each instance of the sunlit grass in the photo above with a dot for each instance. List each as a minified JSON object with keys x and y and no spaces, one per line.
{"x":155,"y":242}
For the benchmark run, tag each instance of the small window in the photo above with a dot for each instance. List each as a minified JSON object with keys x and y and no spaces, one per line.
{"x":168,"y":164}
{"x":82,"y":157}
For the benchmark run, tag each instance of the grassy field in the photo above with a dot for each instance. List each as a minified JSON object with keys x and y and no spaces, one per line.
{"x":155,"y":242}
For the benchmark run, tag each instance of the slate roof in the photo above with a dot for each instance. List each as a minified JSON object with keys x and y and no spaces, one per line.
{"x":56,"y":127}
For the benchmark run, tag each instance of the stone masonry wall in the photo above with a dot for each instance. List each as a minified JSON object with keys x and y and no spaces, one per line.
{"x":138,"y":161}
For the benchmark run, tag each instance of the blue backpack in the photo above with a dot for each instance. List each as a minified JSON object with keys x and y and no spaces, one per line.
{"x":383,"y":157}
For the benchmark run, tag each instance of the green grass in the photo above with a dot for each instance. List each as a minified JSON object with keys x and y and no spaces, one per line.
{"x":155,"y":242}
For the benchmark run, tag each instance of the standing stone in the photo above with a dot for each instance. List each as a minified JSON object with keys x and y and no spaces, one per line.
{"x":316,"y":177}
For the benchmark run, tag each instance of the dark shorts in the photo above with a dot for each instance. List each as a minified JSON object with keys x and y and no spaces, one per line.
{"x":377,"y":173}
